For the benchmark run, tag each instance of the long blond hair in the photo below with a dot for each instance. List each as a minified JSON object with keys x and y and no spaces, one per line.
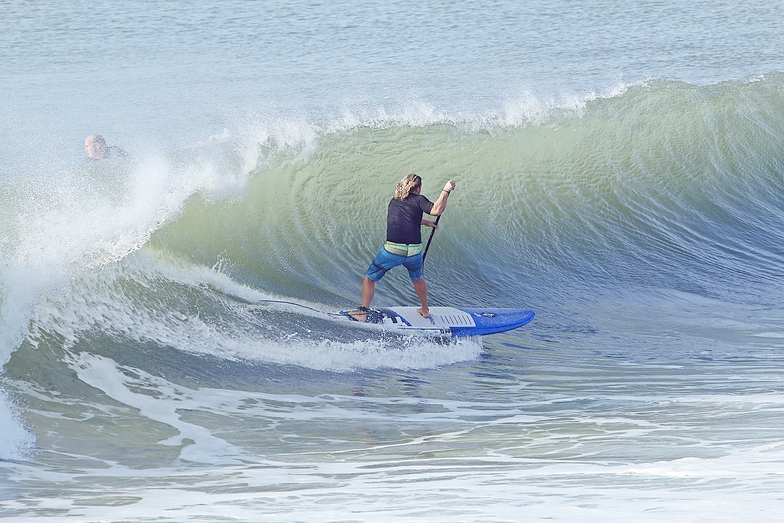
{"x":406,"y":185}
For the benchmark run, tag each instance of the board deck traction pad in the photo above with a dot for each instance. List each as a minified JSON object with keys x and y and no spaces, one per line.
{"x":447,"y":320}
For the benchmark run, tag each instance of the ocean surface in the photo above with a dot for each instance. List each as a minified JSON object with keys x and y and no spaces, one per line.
{"x":165,"y":346}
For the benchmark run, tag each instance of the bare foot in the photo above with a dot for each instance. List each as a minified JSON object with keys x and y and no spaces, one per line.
{"x":424,"y":313}
{"x":358,"y":315}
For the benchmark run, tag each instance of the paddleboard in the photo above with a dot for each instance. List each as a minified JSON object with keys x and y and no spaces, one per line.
{"x":443,"y":321}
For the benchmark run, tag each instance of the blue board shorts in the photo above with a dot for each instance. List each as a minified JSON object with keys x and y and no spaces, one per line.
{"x":385,"y":260}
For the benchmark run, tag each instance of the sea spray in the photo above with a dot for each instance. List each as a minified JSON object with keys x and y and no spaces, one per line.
{"x":17,"y":442}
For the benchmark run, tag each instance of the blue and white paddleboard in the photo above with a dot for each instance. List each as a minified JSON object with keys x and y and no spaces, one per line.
{"x":444,"y":321}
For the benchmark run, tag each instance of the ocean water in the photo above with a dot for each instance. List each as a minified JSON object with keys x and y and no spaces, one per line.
{"x":165,"y":353}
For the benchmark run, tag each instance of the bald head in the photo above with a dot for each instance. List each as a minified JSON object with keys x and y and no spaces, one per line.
{"x":95,"y":147}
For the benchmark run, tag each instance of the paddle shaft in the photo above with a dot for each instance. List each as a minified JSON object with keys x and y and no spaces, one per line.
{"x":424,"y":254}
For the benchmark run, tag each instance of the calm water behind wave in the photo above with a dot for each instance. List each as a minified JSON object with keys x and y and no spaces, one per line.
{"x":170,"y":74}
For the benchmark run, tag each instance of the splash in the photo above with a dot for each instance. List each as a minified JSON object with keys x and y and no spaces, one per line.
{"x":17,"y":442}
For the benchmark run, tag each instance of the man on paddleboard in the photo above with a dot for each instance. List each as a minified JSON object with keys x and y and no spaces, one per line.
{"x":404,"y":239}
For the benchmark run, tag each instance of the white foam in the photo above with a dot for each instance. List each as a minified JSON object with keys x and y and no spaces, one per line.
{"x":435,"y":487}
{"x":517,"y":110}
{"x":528,"y":108}
{"x":16,"y":443}
{"x":338,"y":456}
{"x":104,"y":374}
{"x":101,"y":305}
{"x":65,"y":225}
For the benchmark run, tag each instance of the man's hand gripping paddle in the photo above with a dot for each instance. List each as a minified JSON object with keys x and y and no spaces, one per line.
{"x":451,"y":185}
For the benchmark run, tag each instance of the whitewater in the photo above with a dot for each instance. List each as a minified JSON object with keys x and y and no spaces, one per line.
{"x":166,"y":349}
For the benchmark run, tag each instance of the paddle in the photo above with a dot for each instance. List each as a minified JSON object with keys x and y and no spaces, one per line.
{"x":424,"y":254}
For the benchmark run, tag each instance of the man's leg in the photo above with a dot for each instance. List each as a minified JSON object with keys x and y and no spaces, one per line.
{"x":420,"y":287}
{"x":368,"y":290}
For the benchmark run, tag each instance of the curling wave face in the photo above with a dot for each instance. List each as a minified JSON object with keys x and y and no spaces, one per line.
{"x":666,"y":184}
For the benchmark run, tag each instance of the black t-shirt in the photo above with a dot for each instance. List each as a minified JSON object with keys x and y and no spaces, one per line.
{"x":404,"y":218}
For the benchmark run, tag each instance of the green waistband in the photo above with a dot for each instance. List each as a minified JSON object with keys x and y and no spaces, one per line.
{"x":403,"y":249}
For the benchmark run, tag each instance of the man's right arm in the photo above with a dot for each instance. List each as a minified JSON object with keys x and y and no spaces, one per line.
{"x":440,"y":204}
